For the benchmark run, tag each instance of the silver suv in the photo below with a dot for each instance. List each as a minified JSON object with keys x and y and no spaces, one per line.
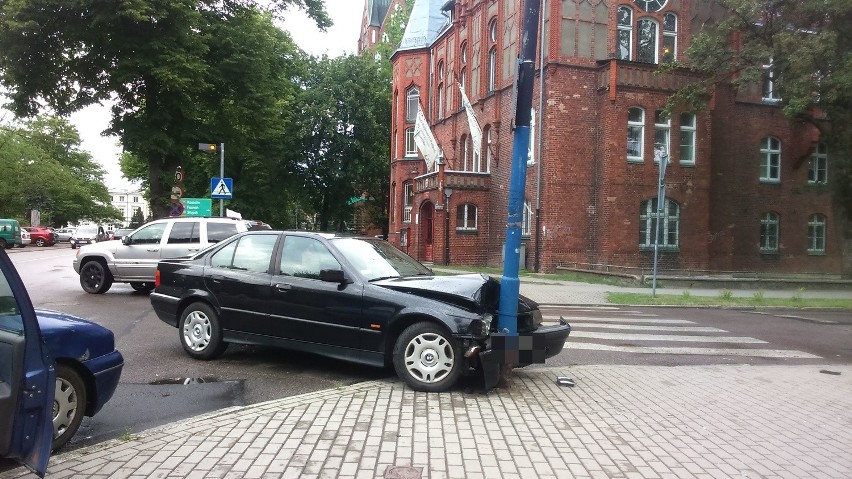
{"x":134,"y":258}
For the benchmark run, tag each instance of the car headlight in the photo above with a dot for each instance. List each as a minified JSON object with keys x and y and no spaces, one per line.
{"x":481,"y":328}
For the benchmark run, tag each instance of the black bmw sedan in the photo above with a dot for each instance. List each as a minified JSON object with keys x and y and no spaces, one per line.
{"x":356,"y":299}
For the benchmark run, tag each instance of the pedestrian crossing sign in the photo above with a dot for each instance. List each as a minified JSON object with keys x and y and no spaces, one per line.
{"x":221,"y":188}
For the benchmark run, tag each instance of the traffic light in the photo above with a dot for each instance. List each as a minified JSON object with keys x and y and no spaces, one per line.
{"x":208,"y":147}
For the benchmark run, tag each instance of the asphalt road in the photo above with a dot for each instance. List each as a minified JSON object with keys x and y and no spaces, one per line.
{"x":161,"y":384}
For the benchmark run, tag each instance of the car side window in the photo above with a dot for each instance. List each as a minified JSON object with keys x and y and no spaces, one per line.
{"x":151,"y":234}
{"x":185,"y":232}
{"x":224,"y":257}
{"x":10,"y":316}
{"x":217,"y":232}
{"x":305,"y":257}
{"x":254,"y":253}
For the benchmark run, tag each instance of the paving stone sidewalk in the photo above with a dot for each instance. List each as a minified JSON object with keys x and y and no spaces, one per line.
{"x":618,"y":421}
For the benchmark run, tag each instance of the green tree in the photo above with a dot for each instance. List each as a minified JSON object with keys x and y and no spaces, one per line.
{"x":57,"y":177}
{"x":137,"y":219}
{"x":808,"y":47}
{"x":163,"y":63}
{"x":344,"y":134}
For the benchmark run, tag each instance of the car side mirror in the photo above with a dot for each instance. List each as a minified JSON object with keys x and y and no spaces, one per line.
{"x":333,"y":276}
{"x":126,"y":240}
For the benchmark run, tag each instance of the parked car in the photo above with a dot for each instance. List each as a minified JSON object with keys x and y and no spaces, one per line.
{"x":358,"y":299}
{"x":10,"y":233}
{"x":87,"y":234}
{"x":257,"y":225}
{"x":41,"y":236}
{"x":25,"y":238}
{"x":119,"y":233}
{"x":64,"y":234}
{"x":134,"y":258}
{"x":54,"y":369}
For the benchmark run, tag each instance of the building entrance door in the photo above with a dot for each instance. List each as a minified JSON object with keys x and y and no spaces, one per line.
{"x":427,"y":215}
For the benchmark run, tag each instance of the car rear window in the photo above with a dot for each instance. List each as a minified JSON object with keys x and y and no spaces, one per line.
{"x":219,"y":231}
{"x":185,"y":232}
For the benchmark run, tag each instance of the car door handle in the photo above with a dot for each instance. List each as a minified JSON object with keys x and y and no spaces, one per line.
{"x":283,"y":287}
{"x":153,"y":250}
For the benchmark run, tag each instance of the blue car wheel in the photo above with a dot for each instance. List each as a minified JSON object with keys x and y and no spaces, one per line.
{"x":69,"y":405}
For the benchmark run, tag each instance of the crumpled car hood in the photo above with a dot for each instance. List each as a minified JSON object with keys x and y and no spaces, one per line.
{"x":74,"y":337}
{"x":475,"y":292}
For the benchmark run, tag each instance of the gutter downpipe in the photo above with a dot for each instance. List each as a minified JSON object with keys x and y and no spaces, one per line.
{"x":540,"y":138}
{"x":507,"y":321}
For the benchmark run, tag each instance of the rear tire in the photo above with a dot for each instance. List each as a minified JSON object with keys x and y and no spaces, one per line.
{"x":95,"y":278}
{"x":69,"y":405}
{"x":40,"y":242}
{"x":427,"y":357}
{"x":200,"y":332}
{"x":144,"y":287}
{"x":4,"y":244}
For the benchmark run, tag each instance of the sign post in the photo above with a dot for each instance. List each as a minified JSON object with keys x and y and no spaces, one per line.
{"x":211,"y":148}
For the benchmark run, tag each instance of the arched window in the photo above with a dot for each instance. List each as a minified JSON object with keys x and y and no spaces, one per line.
{"x":463,"y":53}
{"x":668,"y":235}
{"x":816,"y":234}
{"x":412,"y":103}
{"x":669,"y":37}
{"x":440,"y":101}
{"x":770,"y":160}
{"x":407,"y":200}
{"x":624,"y":42}
{"x":769,"y":233}
{"x":486,"y":134}
{"x":466,"y":217}
{"x":635,"y":133}
{"x":646,"y":41}
{"x":491,"y":72}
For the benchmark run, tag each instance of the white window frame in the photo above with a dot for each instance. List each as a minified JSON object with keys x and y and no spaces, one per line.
{"x":669,"y":36}
{"x":770,"y":232}
{"x":469,"y":214}
{"x":688,"y":122}
{"x":770,"y":160}
{"x":412,"y":104}
{"x":662,"y":131}
{"x":440,"y":101}
{"x":464,"y":152}
{"x":491,"y":75}
{"x":410,"y":144}
{"x":816,"y":234}
{"x":488,"y":153}
{"x":526,"y":225}
{"x":670,"y":218}
{"x":770,"y":93}
{"x":818,"y":165}
{"x":407,"y":200}
{"x":531,"y":147}
{"x":636,"y":126}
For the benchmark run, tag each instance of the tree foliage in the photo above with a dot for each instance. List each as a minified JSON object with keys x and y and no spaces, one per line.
{"x":45,"y":169}
{"x":807,"y":47}
{"x":344,"y":134}
{"x":179,"y":71}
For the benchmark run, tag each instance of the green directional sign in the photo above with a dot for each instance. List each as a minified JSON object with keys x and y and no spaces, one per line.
{"x":196,"y":206}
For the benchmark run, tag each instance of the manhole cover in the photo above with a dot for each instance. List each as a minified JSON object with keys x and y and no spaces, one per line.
{"x":403,"y":472}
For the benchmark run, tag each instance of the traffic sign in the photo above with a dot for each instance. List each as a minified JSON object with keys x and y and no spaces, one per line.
{"x":197,"y":206}
{"x":176,"y":209}
{"x":221,"y":188}
{"x":177,"y":193}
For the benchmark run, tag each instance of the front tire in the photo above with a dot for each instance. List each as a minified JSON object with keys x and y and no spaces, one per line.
{"x":95,"y":278}
{"x":40,"y":242}
{"x":200,"y":332}
{"x":69,"y":405}
{"x":427,"y":358}
{"x":142,"y":287}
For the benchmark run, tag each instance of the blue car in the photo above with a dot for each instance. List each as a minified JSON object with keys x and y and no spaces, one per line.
{"x":54,"y":369}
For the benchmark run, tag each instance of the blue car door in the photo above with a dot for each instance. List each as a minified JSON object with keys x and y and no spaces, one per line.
{"x":27,"y":377}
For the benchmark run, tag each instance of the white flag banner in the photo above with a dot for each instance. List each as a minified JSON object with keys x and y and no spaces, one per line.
{"x":425,"y":140}
{"x":475,"y":131}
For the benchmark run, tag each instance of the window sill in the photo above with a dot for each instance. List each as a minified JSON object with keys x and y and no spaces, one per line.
{"x":769,"y":181}
{"x":816,"y":253}
{"x":662,"y":249}
{"x":467,"y":231}
{"x":687,"y":164}
{"x":635,"y":160}
{"x":767,"y":252}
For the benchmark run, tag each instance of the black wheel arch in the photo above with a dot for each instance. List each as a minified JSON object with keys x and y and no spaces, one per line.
{"x":88,"y":380}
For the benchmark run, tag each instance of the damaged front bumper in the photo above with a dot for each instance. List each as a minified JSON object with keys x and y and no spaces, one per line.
{"x":521,"y":350}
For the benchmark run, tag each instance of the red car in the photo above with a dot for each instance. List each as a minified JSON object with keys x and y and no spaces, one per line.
{"x":40,"y":236}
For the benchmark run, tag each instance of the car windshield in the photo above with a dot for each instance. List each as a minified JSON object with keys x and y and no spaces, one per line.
{"x":376,"y":259}
{"x":87,"y":230}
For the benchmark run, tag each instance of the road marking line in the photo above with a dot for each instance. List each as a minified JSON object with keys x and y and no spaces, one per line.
{"x":636,"y":327}
{"x":763,"y":353}
{"x":666,"y":337}
{"x":618,"y":320}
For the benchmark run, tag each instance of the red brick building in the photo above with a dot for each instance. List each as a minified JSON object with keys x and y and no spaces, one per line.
{"x":746,"y":189}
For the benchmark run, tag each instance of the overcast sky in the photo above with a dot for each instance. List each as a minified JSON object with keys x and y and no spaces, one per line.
{"x":340,"y":39}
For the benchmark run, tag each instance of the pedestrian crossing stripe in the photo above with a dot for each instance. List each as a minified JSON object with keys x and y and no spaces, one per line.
{"x":642,"y":327}
{"x":666,"y":337}
{"x":222,"y":189}
{"x":762,"y":353}
{"x":573,"y":319}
